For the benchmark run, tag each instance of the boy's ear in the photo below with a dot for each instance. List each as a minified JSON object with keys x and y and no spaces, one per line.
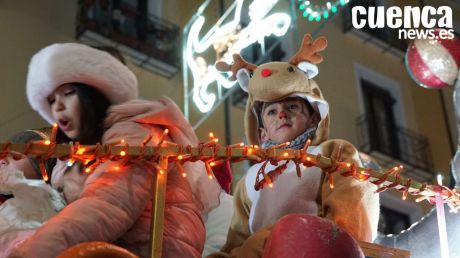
{"x":263,"y":135}
{"x":314,"y":120}
{"x":317,"y":118}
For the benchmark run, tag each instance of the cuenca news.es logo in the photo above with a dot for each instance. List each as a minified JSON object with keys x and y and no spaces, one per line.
{"x":412,"y":22}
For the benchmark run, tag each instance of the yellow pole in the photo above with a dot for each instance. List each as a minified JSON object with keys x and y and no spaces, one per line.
{"x":158,"y":208}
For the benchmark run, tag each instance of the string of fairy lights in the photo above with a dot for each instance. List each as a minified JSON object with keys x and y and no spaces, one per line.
{"x":211,"y":153}
{"x":314,"y":11}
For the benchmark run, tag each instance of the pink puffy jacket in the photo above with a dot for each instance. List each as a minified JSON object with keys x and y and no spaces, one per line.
{"x":115,"y":206}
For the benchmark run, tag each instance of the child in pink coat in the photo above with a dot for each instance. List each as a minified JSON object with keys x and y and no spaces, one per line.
{"x":92,"y":97}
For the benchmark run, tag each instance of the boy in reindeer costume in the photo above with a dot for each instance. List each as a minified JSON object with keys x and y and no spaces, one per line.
{"x":297,"y":217}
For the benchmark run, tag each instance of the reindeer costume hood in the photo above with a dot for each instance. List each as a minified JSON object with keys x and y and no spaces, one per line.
{"x":275,"y":81}
{"x":351,"y":204}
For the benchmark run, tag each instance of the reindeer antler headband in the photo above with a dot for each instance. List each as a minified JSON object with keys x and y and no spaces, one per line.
{"x":306,"y":58}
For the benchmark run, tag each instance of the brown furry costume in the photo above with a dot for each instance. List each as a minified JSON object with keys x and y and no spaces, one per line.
{"x":351,"y":204}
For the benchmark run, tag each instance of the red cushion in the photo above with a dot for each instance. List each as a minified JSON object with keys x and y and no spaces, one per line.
{"x":298,"y":235}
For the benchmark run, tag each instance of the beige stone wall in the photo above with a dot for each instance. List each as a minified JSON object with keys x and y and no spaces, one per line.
{"x":26,"y":26}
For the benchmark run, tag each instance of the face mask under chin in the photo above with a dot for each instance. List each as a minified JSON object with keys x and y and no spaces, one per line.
{"x":297,"y":143}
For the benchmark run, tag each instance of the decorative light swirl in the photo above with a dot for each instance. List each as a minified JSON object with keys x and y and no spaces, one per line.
{"x":316,"y":12}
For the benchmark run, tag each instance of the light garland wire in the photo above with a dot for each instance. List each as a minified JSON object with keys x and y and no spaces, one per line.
{"x":211,"y":153}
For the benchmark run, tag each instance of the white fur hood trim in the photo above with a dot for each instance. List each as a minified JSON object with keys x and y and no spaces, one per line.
{"x":59,"y":64}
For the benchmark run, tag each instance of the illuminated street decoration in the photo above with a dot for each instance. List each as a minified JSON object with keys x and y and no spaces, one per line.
{"x":227,"y":39}
{"x":313,"y":11}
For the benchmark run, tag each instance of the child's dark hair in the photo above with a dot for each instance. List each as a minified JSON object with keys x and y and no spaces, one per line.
{"x":93,"y":109}
{"x":93,"y":105}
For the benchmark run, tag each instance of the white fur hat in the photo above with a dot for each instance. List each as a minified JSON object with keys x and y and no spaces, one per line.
{"x":59,"y":64}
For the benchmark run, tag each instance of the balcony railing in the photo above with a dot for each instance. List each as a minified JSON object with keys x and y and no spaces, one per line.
{"x":148,"y":41}
{"x":409,"y":148}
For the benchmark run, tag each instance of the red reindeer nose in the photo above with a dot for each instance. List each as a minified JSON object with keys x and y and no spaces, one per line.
{"x":266,"y":72}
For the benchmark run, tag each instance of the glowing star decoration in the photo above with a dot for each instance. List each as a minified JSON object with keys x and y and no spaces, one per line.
{"x":227,"y":38}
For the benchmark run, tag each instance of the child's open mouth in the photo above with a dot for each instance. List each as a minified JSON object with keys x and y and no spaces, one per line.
{"x":64,"y":124}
